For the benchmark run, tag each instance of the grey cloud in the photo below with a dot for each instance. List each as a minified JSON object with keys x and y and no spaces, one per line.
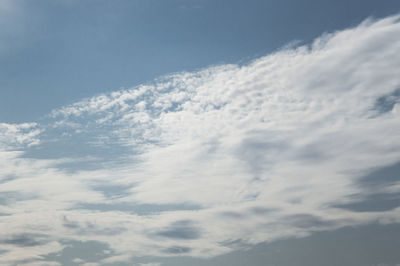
{"x":373,"y":195}
{"x":380,"y":178}
{"x":237,"y":244}
{"x":247,"y":213}
{"x":92,"y":229}
{"x":311,"y":153}
{"x":10,"y":197}
{"x":259,"y":210}
{"x":232,"y":215}
{"x":371,"y":244}
{"x":139,"y":209}
{"x":386,"y":103}
{"x":113,"y":191}
{"x":70,"y":224}
{"x":26,"y":240}
{"x":378,"y":202}
{"x":7,"y":178}
{"x":180,"y":230}
{"x":177,"y":250}
{"x":258,"y":151}
{"x":307,"y":221}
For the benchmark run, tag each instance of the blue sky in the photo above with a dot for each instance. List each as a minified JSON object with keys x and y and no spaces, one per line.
{"x":199,"y":132}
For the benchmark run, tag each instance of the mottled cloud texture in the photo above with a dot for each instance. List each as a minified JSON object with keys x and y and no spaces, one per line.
{"x":204,"y":163}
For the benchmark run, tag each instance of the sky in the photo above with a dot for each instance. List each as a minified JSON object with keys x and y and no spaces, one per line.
{"x":198,"y":132}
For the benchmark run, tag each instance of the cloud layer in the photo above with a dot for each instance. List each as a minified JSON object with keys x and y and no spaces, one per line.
{"x":204,"y":163}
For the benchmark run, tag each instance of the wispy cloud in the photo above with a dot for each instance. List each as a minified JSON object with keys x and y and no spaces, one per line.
{"x":264,"y":151}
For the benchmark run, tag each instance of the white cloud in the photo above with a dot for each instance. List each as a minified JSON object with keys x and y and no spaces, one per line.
{"x":15,"y":135}
{"x":90,"y":264}
{"x":41,"y":263}
{"x":263,"y":150}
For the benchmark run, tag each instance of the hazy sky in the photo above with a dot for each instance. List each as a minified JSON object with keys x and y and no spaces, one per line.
{"x":200,"y":132}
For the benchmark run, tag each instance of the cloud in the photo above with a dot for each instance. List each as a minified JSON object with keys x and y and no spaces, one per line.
{"x":259,"y":152}
{"x":180,"y":230}
{"x":177,"y":250}
{"x":14,"y":136}
{"x":25,"y":240}
{"x":386,"y":103}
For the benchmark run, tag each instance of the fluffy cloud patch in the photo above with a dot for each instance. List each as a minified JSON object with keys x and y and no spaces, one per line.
{"x":17,"y":135}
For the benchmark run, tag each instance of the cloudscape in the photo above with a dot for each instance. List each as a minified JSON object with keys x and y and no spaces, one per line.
{"x":290,"y":158}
